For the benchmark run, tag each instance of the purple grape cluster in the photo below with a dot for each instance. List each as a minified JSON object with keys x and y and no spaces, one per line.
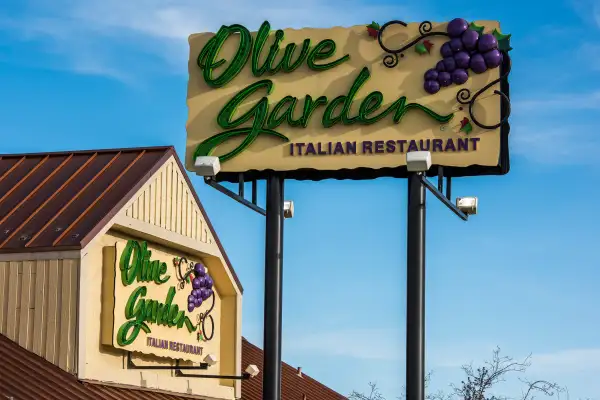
{"x":466,"y":50}
{"x":202,"y":287}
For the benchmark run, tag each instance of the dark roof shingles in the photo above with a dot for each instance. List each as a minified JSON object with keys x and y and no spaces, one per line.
{"x":23,"y":233}
{"x":26,"y":209}
{"x":26,"y":376}
{"x":293,"y":386}
{"x":78,"y":204}
{"x":59,"y":201}
{"x":16,"y":195}
{"x":111,"y":197}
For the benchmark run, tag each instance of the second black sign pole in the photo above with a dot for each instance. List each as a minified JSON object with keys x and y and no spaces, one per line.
{"x":415,"y":289}
{"x":273,"y":289}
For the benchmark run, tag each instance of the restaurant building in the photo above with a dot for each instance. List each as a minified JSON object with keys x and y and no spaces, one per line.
{"x":113,"y":282}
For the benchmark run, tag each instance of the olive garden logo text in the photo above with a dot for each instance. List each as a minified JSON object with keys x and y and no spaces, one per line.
{"x":261,"y":119}
{"x":136,"y":265}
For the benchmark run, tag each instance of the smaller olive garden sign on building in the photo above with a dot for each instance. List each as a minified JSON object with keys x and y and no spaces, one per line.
{"x":318,"y":103}
{"x":155,"y":303}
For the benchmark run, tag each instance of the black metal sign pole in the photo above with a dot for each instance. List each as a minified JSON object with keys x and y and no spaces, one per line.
{"x":415,"y":290}
{"x":273,"y":289}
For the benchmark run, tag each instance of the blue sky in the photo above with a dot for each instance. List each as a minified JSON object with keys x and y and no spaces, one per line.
{"x":522,"y":275}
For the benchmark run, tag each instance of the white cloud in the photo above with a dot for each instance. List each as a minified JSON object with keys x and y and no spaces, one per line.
{"x":365,"y":344}
{"x":588,"y":11}
{"x":573,"y":368}
{"x":544,"y":130}
{"x":385,"y":345}
{"x":588,"y":55}
{"x":588,"y":51}
{"x":388,"y":344}
{"x":101,"y":36}
{"x":458,"y":354}
{"x":564,"y":101}
{"x":571,"y":360}
{"x":545,"y":365}
{"x":561,"y":144}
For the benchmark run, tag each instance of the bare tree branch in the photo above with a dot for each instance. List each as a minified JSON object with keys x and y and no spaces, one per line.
{"x":374,"y":395}
{"x":481,"y":381}
{"x":546,"y":388}
{"x":439,"y":395}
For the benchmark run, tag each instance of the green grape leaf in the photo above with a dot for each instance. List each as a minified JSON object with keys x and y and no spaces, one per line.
{"x":466,"y":128}
{"x":428,"y":45}
{"x":421,"y":49}
{"x":503,"y":40}
{"x":504,"y":46}
{"x":499,"y":35}
{"x":479,"y":29}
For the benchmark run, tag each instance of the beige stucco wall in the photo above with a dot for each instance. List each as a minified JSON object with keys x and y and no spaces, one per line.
{"x":165,"y":214}
{"x":105,"y":363}
{"x":167,"y":202}
{"x":38,"y":295}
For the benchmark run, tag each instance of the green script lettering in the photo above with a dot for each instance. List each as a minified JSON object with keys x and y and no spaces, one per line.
{"x":322,"y":51}
{"x":264,"y":122}
{"x":140,"y":312}
{"x":135,"y":264}
{"x":208,"y":58}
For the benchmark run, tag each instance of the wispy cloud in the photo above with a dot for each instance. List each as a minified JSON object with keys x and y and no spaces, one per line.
{"x":365,"y":344}
{"x":588,"y":11}
{"x":571,"y":360}
{"x":561,"y":101}
{"x":556,"y":145}
{"x":588,"y":55}
{"x":98,"y":36}
{"x":545,"y":35}
{"x":544,"y":130}
{"x":388,"y":345}
{"x":574,"y":369}
{"x":561,"y":361}
{"x":384,"y":344}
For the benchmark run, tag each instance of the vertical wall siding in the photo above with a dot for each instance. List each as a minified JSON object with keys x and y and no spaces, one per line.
{"x":168,"y":202}
{"x":38,"y":308}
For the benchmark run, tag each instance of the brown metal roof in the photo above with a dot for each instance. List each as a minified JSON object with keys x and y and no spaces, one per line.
{"x":26,"y":376}
{"x":293,"y":386}
{"x":60,"y":201}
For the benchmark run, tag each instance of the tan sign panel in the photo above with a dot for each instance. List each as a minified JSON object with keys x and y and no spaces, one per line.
{"x":155,"y":303}
{"x":322,"y":101}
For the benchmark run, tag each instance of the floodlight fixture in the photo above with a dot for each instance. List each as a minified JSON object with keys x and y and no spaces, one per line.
{"x":210,"y":359}
{"x":252,"y":370}
{"x":468,"y":205}
{"x":288,"y":209}
{"x":207,"y":166}
{"x":418,"y":161}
